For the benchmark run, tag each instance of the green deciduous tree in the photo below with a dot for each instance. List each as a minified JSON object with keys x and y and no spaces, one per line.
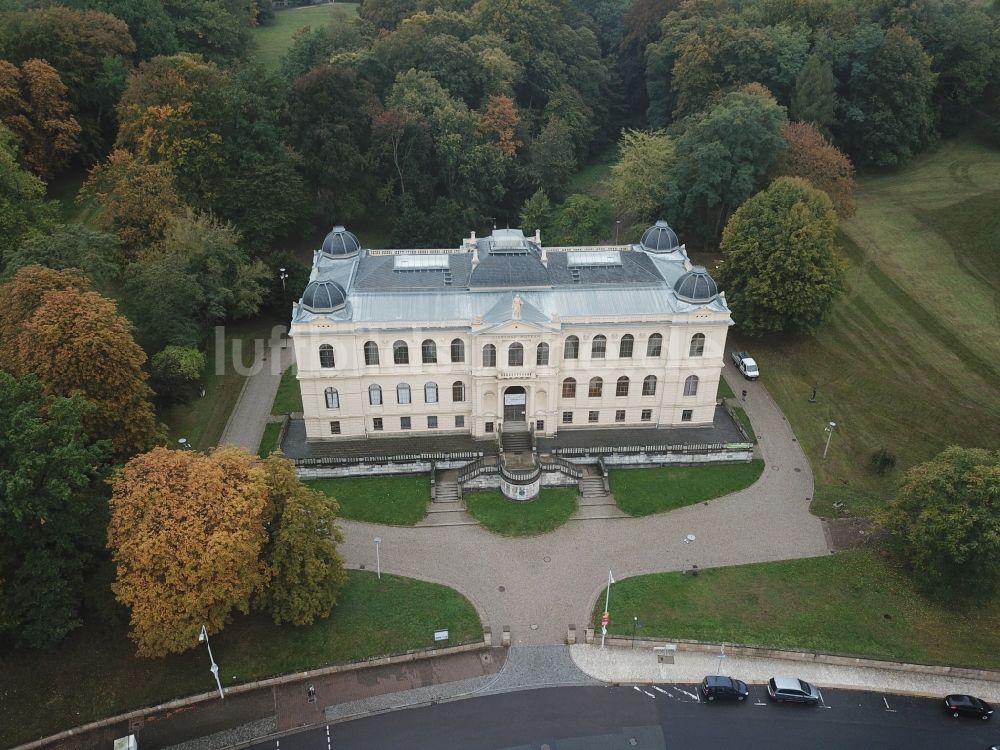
{"x":176,"y":372}
{"x":551,"y":158}
{"x":815,"y":97}
{"x":162,"y":298}
{"x":945,"y":522}
{"x":74,"y":245}
{"x":581,"y":220}
{"x":638,"y":184}
{"x":536,"y":213}
{"x":780,"y":271}
{"x":52,"y":512}
{"x":24,"y":212}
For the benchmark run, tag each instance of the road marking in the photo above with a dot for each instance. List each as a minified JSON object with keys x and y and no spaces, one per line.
{"x":759,"y":703}
{"x":890,"y":710}
{"x":689,"y":695}
{"x":645,"y":692}
{"x":660,"y":690}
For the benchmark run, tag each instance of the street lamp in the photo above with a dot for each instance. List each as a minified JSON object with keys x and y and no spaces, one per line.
{"x":378,"y":560}
{"x":618,"y":223}
{"x":282,"y":275}
{"x":203,"y":638}
{"x":829,"y":429}
{"x":183,"y":443}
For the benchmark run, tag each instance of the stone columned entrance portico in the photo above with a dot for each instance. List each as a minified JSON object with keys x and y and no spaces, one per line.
{"x":515,"y":404}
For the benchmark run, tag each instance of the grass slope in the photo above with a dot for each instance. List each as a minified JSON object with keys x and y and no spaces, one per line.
{"x":551,"y":510}
{"x":269,"y":440}
{"x":270,"y":42}
{"x":94,"y":673}
{"x":910,"y":357}
{"x":853,"y":603}
{"x":288,"y":399}
{"x":642,"y":492}
{"x":397,"y":501}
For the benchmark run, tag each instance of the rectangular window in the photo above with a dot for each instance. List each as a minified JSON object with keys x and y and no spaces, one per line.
{"x":404,"y":423}
{"x":334,"y":428}
{"x":460,"y":421}
{"x":540,"y":425}
{"x":592,"y":416}
{"x":377,"y":424}
{"x":432,"y":423}
{"x":620,"y":415}
{"x":567,"y":417}
{"x":686,"y":415}
{"x":647,"y":415}
{"x":489,"y":427}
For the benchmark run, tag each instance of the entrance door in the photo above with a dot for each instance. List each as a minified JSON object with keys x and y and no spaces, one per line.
{"x":515,"y":401}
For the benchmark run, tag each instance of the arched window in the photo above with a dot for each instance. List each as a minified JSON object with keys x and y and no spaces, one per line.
{"x":489,"y":356}
{"x":542,"y":354}
{"x":375,"y":394}
{"x":653,"y":345}
{"x":691,"y":385}
{"x":697,"y":345}
{"x":569,"y":388}
{"x":596,"y":387}
{"x":403,"y":393}
{"x":515,"y":355}
{"x":429,"y":352}
{"x":326,"y":356}
{"x":572,"y":348}
{"x":457,"y":350}
{"x":626,"y":345}
{"x":458,"y":391}
{"x":598,"y":347}
{"x":332,"y":398}
{"x":371,"y":353}
{"x":622,"y":388}
{"x":401,"y":353}
{"x":649,"y":385}
{"x":430,"y":393}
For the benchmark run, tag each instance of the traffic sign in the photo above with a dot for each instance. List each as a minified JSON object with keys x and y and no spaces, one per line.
{"x":605,"y":618}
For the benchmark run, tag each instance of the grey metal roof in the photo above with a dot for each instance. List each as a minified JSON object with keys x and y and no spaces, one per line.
{"x":380,"y":272}
{"x":635,"y":268}
{"x":340,"y":243}
{"x":509,"y":270}
{"x":659,"y":238}
{"x":696,"y":286}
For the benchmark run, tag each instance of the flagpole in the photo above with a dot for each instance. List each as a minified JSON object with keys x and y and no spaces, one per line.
{"x":607,"y":600}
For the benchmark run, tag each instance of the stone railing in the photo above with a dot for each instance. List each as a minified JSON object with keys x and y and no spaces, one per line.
{"x":555,"y":463}
{"x":736,"y":420}
{"x":607,"y":450}
{"x":393,"y":459}
{"x":485,"y":465}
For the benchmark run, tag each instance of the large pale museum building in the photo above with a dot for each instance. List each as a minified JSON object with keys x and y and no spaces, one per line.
{"x":504,"y":330}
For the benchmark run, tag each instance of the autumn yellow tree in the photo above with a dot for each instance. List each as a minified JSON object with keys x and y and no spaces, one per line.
{"x":186,"y":535}
{"x":21,"y":296}
{"x":76,"y":342}
{"x":811,"y":156}
{"x":499,"y":122}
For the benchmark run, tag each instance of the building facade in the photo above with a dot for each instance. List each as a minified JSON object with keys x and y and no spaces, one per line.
{"x":505,"y":330}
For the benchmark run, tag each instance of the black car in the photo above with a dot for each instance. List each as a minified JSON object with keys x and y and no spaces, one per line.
{"x":967,"y":705}
{"x":723,"y":688}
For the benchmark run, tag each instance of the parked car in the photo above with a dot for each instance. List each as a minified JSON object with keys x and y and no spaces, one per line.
{"x":793,"y":690}
{"x":723,"y":688}
{"x":967,"y":705}
{"x":746,"y":365}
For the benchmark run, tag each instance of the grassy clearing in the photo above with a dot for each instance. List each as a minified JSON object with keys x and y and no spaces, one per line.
{"x":852,"y":603}
{"x":397,"y":501}
{"x":910,"y":358}
{"x":741,"y":415}
{"x":288,"y":399}
{"x":642,"y":492}
{"x":270,"y":42}
{"x":724,"y":390}
{"x":551,"y":510}
{"x":269,"y":441}
{"x":64,"y":190}
{"x":592,"y":179}
{"x":94,"y":673}
{"x":202,"y":420}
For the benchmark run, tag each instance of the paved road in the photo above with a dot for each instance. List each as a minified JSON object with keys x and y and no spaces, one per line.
{"x":246,"y":424}
{"x":667,"y":717}
{"x":539,"y":585}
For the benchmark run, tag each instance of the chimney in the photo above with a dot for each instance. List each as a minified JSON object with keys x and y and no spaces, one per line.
{"x":545,"y":258}
{"x":538,"y":236}
{"x":475,"y":256}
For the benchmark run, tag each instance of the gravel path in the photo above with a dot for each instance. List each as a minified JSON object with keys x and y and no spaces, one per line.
{"x":245,"y":427}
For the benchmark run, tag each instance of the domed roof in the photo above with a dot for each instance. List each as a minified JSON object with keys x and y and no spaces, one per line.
{"x":340,"y":243}
{"x":659,"y":238}
{"x":696,"y":286}
{"x":323,"y":296}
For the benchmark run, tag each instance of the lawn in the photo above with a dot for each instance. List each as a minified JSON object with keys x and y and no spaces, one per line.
{"x":269,"y":440}
{"x":642,"y":492}
{"x":270,"y":42}
{"x":741,"y":415}
{"x":724,"y":390}
{"x":910,"y":357}
{"x":288,"y":399}
{"x":592,"y":178}
{"x":202,"y":420}
{"x":94,"y":672}
{"x":397,"y":501}
{"x":851,"y":603}
{"x":548,"y":512}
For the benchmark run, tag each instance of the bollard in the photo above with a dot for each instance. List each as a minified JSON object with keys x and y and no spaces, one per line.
{"x":505,"y":637}
{"x":488,"y":635}
{"x":588,"y":635}
{"x":571,"y":635}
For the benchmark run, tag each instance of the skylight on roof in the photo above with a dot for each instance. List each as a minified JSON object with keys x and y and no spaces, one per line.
{"x":601,"y":258}
{"x":420,"y":263}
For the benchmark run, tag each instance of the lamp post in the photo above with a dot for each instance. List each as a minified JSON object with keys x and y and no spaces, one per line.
{"x":378,"y":560}
{"x":183,"y":443}
{"x":618,"y":223}
{"x":829,"y":429}
{"x":282,"y":274}
{"x":203,"y":638}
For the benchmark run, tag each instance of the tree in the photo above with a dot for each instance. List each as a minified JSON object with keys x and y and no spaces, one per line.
{"x":163,"y":300}
{"x":21,"y":296}
{"x":52,"y":513}
{"x":640,"y":28}
{"x":386,"y":14}
{"x":175,"y":373}
{"x":813,"y":157}
{"x":76,"y":342}
{"x":720,"y":159}
{"x":551,"y":159}
{"x":581,"y":220}
{"x":34,"y":105}
{"x":66,"y":246}
{"x":500,"y":120}
{"x":638,"y":183}
{"x":308,"y":571}
{"x":217,"y":29}
{"x":24,"y":212}
{"x":186,"y":534}
{"x":536,"y":213}
{"x":780,"y":271}
{"x":150,"y":26}
{"x":945,"y":522}
{"x":815,"y":97}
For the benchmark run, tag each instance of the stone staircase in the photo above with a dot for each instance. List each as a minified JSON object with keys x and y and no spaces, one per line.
{"x":447,"y":508}
{"x":594,"y":502}
{"x":516,"y":437}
